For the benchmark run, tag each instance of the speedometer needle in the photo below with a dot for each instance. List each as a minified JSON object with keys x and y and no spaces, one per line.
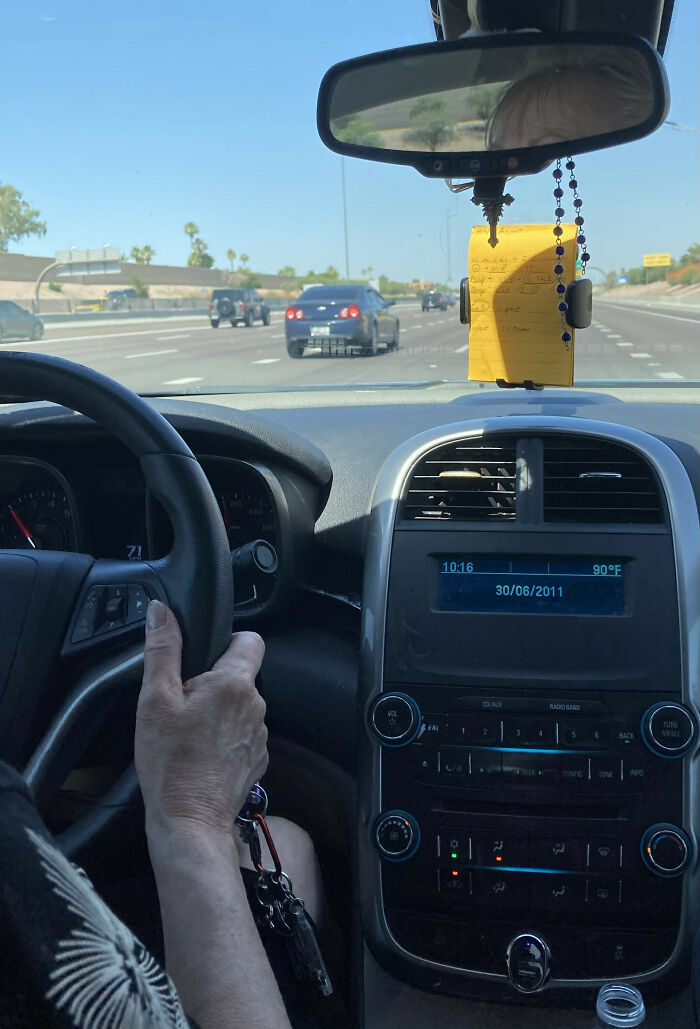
{"x":22,"y":527}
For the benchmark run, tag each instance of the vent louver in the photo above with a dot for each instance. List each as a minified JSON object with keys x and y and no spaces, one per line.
{"x":468,"y":480}
{"x":592,"y":480}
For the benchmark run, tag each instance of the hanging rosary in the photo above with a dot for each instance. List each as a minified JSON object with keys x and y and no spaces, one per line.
{"x":563,"y":305}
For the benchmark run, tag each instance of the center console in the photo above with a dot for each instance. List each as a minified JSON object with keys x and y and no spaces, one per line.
{"x":529,"y":718}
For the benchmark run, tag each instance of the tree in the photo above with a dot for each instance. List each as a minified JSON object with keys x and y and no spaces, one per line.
{"x":691,"y":255}
{"x":289,"y":270}
{"x":17,"y":218}
{"x":332,"y":273}
{"x":142,"y":255}
{"x":432,"y":125}
{"x":367,"y":271}
{"x":191,"y":230}
{"x":251,"y":280}
{"x":199,"y":258}
{"x":139,"y":285}
{"x":357,"y":131}
{"x":231,"y":257}
{"x":244,"y":260}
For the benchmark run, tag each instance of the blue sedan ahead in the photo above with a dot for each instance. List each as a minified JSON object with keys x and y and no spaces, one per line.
{"x":341,"y":320}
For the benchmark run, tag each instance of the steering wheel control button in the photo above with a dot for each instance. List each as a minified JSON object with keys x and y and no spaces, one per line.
{"x":666,"y":850}
{"x":138,"y":602}
{"x":669,"y":729}
{"x":396,"y":835}
{"x":90,"y":610}
{"x":394,"y":719}
{"x":528,"y":963}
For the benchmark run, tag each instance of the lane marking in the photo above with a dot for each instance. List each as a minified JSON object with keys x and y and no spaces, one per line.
{"x":114,"y":335}
{"x":668,"y":375}
{"x":624,"y":343}
{"x":179,"y":335}
{"x":640,"y":355}
{"x":614,"y":335}
{"x":182,"y":382}
{"x":148,"y":353}
{"x":278,"y":335}
{"x":268,"y":360}
{"x":656,"y":314}
{"x":416,"y":325}
{"x":460,"y":350}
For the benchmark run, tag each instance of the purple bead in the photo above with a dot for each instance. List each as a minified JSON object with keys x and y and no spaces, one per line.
{"x":558,"y":193}
{"x":559,"y":212}
{"x":566,"y":336}
{"x":581,"y":238}
{"x":561,"y":288}
{"x":573,"y":183}
{"x":563,"y":306}
{"x":558,"y":269}
{"x":570,"y":165}
{"x":559,"y":250}
{"x":558,"y":231}
{"x":578,"y":220}
{"x":585,"y":257}
{"x":557,"y":173}
{"x":578,"y":202}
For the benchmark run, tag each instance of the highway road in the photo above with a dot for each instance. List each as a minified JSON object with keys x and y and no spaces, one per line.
{"x":623,"y":343}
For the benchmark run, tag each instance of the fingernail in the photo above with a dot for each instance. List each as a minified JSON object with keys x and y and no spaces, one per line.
{"x":155,"y":615}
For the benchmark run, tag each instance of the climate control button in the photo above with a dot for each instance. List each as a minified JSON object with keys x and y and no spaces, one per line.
{"x":396,"y":835}
{"x":394,"y":719}
{"x":668,"y":729}
{"x":666,"y":850}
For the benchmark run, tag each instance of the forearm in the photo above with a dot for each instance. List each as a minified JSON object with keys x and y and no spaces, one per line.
{"x":212,"y":948}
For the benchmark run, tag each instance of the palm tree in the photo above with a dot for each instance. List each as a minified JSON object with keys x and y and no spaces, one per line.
{"x":147,"y":253}
{"x":231,"y":256}
{"x":191,"y":230}
{"x":244,"y":259}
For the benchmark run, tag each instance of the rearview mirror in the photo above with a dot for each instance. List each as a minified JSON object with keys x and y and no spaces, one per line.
{"x":493,"y":105}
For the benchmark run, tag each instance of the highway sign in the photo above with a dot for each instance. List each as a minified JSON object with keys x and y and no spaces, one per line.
{"x":657,"y":260}
{"x":623,"y":280}
{"x":102,"y":261}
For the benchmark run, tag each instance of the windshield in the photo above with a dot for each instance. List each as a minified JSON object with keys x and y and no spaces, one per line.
{"x":197,"y":175}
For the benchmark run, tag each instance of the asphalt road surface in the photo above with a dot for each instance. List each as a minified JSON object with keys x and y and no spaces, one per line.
{"x":623,"y":343}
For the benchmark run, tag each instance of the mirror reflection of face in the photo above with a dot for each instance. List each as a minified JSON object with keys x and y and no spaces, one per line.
{"x":494,"y":99}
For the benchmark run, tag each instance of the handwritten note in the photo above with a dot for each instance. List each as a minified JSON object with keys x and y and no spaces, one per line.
{"x":515,"y":328}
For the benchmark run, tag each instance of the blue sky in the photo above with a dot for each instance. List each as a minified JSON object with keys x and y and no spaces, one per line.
{"x":122,"y":122}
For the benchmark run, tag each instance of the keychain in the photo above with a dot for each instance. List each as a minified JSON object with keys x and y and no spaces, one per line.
{"x":280,"y":909}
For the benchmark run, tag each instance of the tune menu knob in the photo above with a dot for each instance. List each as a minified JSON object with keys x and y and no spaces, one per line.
{"x":396,"y":835}
{"x":394,"y":719}
{"x":668,"y":729}
{"x":666,"y":850}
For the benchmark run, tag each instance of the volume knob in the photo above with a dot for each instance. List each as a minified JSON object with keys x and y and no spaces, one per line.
{"x":394,"y":719}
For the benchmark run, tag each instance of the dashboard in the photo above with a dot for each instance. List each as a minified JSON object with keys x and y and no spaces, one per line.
{"x":481,"y":649}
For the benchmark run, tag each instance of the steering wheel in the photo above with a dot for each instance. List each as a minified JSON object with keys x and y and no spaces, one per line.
{"x":66,"y":607}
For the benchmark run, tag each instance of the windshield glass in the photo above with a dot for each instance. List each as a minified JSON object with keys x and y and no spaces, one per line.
{"x":177,"y":163}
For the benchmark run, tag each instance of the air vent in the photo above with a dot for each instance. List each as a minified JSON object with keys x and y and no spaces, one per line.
{"x":470,"y":480}
{"x":591,"y":480}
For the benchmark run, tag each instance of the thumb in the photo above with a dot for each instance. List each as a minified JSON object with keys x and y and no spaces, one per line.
{"x":162,"y":655}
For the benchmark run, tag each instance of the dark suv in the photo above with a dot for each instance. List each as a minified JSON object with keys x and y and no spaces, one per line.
{"x":237,"y":305}
{"x":434,"y":298}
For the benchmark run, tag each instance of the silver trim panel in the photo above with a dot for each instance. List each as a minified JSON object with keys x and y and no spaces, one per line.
{"x":685,"y":529}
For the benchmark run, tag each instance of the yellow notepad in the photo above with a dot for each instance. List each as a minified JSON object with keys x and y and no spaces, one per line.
{"x":515,"y":328}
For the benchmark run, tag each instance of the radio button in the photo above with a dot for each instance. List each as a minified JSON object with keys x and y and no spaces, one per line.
{"x":528,"y":732}
{"x":606,"y":772}
{"x":475,"y":729}
{"x":530,"y":771}
{"x":557,"y":852}
{"x":486,"y":768}
{"x":494,"y":849}
{"x":604,"y":856}
{"x":573,"y":772}
{"x":454,"y":766}
{"x":635,"y":774}
{"x":420,"y":762}
{"x":581,"y":733}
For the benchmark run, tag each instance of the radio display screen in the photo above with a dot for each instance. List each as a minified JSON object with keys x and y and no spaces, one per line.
{"x":531,"y":585}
